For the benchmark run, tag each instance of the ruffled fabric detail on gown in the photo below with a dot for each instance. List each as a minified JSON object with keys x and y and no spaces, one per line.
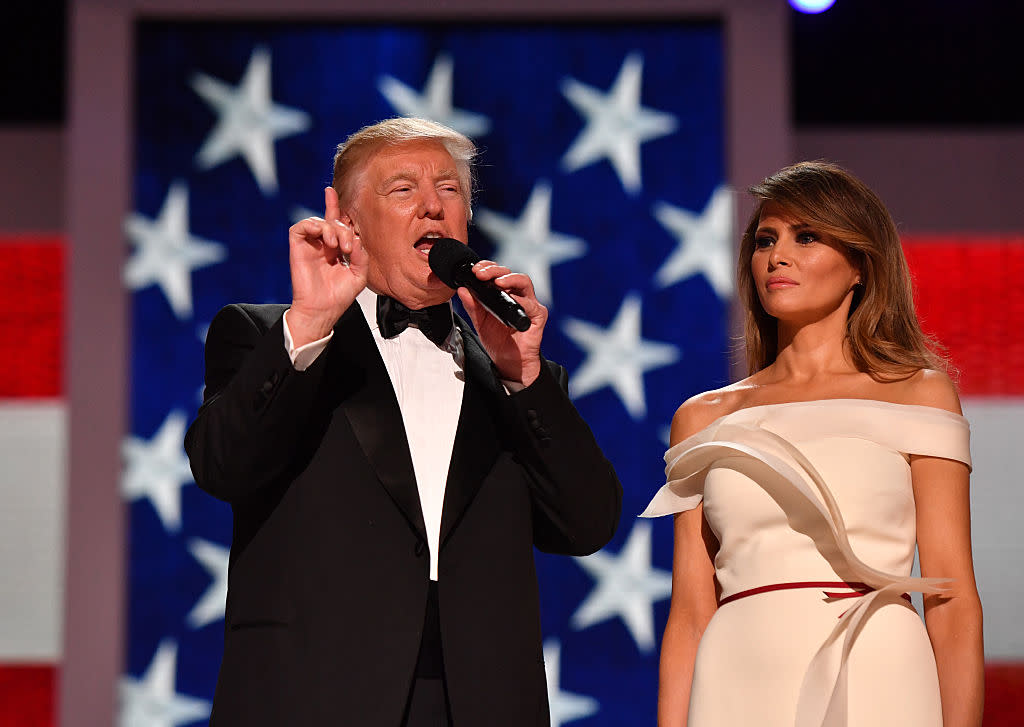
{"x":744,"y":433}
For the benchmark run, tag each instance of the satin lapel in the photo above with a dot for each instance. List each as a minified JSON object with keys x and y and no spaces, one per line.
{"x":476,"y":439}
{"x":370,"y":404}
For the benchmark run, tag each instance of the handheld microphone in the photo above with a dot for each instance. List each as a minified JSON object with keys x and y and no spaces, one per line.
{"x":452,"y":261}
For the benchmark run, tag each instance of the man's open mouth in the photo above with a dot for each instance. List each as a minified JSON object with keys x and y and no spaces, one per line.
{"x":426,"y":242}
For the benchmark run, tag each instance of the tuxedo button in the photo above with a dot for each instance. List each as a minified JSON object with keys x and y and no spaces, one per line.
{"x":420,"y":549}
{"x":266,"y":391}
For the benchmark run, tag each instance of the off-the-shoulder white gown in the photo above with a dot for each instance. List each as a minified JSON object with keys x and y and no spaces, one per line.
{"x":803,"y":497}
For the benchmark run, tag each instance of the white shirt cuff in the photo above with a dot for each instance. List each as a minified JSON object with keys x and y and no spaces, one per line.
{"x":303,"y":356}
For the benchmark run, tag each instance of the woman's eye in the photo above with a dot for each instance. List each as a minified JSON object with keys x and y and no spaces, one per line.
{"x":763,"y":242}
{"x":806,"y":238}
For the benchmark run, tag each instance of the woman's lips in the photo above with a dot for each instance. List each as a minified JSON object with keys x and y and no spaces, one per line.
{"x":774,"y":283}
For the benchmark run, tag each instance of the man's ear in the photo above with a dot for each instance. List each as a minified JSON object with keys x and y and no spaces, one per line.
{"x":346,"y":219}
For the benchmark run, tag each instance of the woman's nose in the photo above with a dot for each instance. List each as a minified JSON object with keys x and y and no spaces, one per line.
{"x":779,"y":255}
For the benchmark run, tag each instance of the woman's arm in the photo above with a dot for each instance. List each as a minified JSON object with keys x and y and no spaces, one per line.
{"x":694,"y":594}
{"x":694,"y":601}
{"x":953,"y":618}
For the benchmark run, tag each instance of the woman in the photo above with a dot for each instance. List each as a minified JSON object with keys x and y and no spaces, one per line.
{"x":801,"y":491}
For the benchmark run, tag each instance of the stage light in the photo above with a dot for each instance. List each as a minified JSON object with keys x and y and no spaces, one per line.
{"x":812,"y":6}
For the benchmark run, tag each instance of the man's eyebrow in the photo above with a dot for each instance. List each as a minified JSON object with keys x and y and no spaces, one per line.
{"x":404,"y":175}
{"x":411,"y":176}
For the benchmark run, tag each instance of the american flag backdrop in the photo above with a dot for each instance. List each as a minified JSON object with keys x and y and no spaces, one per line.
{"x":602,"y":177}
{"x":33,"y":450}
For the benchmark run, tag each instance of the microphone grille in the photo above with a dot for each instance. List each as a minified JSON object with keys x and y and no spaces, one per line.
{"x":447,"y":256}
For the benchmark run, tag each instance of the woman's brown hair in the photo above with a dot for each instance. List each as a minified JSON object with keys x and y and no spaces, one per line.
{"x":886,"y":340}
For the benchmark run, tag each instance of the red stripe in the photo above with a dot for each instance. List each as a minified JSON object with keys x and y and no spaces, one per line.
{"x":27,"y":695}
{"x":31,"y":316}
{"x":970,"y":296}
{"x":1004,"y":694}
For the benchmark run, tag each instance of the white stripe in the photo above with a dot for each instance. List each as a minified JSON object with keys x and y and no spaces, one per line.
{"x":997,"y":519}
{"x":33,"y":438}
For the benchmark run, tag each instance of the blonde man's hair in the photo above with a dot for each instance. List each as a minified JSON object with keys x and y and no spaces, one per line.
{"x":357,"y":148}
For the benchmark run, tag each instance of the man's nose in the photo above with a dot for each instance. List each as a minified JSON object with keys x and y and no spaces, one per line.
{"x":430,"y":205}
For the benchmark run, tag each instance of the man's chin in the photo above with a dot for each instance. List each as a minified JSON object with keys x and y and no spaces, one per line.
{"x":441,"y":297}
{"x":436,"y":290}
{"x":433,"y":292}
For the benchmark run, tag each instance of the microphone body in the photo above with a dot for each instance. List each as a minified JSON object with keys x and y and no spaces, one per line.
{"x":452,"y":261}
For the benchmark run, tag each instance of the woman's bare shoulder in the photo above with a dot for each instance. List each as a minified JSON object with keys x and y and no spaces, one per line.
{"x":930,"y":387}
{"x":700,"y":410}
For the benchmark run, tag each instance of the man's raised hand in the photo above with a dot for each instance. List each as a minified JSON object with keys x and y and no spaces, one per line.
{"x":328,"y":269}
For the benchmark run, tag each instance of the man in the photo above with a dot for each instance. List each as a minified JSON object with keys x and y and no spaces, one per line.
{"x":388,"y":488}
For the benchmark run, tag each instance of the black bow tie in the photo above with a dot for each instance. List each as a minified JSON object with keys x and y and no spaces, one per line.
{"x":435,"y":322}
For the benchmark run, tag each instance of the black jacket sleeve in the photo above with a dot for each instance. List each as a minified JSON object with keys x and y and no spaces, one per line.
{"x":577,"y":497}
{"x":249,"y":427}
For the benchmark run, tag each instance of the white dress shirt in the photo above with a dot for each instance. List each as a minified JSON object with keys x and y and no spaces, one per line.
{"x":428,"y":383}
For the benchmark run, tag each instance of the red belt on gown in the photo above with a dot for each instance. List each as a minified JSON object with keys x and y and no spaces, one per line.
{"x":856,"y":590}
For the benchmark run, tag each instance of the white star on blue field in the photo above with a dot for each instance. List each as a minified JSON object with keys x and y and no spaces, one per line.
{"x":152,"y":701}
{"x":157,"y":469}
{"x":705,"y":243}
{"x":210,"y":607}
{"x":248,"y":121}
{"x":616,"y":123}
{"x":527,"y":244}
{"x":627,"y":586}
{"x":565,"y":706}
{"x":166,"y":253}
{"x":435,"y":102}
{"x":618,"y":357}
{"x":602,"y":176}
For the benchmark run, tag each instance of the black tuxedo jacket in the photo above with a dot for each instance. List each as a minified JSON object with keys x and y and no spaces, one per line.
{"x":329,"y":567}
